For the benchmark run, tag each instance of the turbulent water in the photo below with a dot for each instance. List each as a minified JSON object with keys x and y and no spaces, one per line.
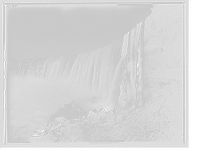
{"x":105,"y":77}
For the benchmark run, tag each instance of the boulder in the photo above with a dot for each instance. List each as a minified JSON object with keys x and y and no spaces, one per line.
{"x":93,"y":117}
{"x":77,"y":112}
{"x":102,"y":112}
{"x":106,"y":117}
{"x":70,"y":111}
{"x":72,"y":133}
{"x":110,"y":116}
{"x":44,"y":127}
{"x":60,"y":119}
{"x":65,"y":132}
{"x":103,"y":120}
{"x":76,"y":133}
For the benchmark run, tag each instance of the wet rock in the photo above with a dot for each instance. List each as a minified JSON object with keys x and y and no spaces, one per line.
{"x":60,"y":119}
{"x":66,"y":123}
{"x":77,"y":112}
{"x":72,"y":133}
{"x":65,"y":136}
{"x":55,"y":126}
{"x":84,"y":118}
{"x":110,"y":116}
{"x":50,"y":124}
{"x":93,"y":117}
{"x":76,"y":133}
{"x":103,"y":120}
{"x":106,"y":117}
{"x":70,"y":111}
{"x":102,"y":112}
{"x":44,"y":127}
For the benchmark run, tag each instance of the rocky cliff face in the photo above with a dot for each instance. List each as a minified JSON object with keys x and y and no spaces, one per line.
{"x":163,"y":65}
{"x":163,"y":57}
{"x":163,"y":74}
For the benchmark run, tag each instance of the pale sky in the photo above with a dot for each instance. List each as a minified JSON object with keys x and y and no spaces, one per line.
{"x":42,"y":32}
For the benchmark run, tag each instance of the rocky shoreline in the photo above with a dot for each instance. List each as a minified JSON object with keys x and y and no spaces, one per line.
{"x":155,"y":122}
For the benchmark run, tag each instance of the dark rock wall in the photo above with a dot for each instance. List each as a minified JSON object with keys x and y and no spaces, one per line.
{"x":163,"y":65}
{"x":163,"y":51}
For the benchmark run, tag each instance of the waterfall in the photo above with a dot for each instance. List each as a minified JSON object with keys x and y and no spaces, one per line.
{"x":139,"y":71}
{"x":37,"y":88}
{"x":108,"y":77}
{"x":91,"y":72}
{"x":118,"y":76}
{"x":95,"y":72}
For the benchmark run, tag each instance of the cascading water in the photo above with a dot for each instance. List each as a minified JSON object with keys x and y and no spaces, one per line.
{"x":37,"y":87}
{"x":139,"y":79}
{"x":85,"y":76}
{"x":103,"y":78}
